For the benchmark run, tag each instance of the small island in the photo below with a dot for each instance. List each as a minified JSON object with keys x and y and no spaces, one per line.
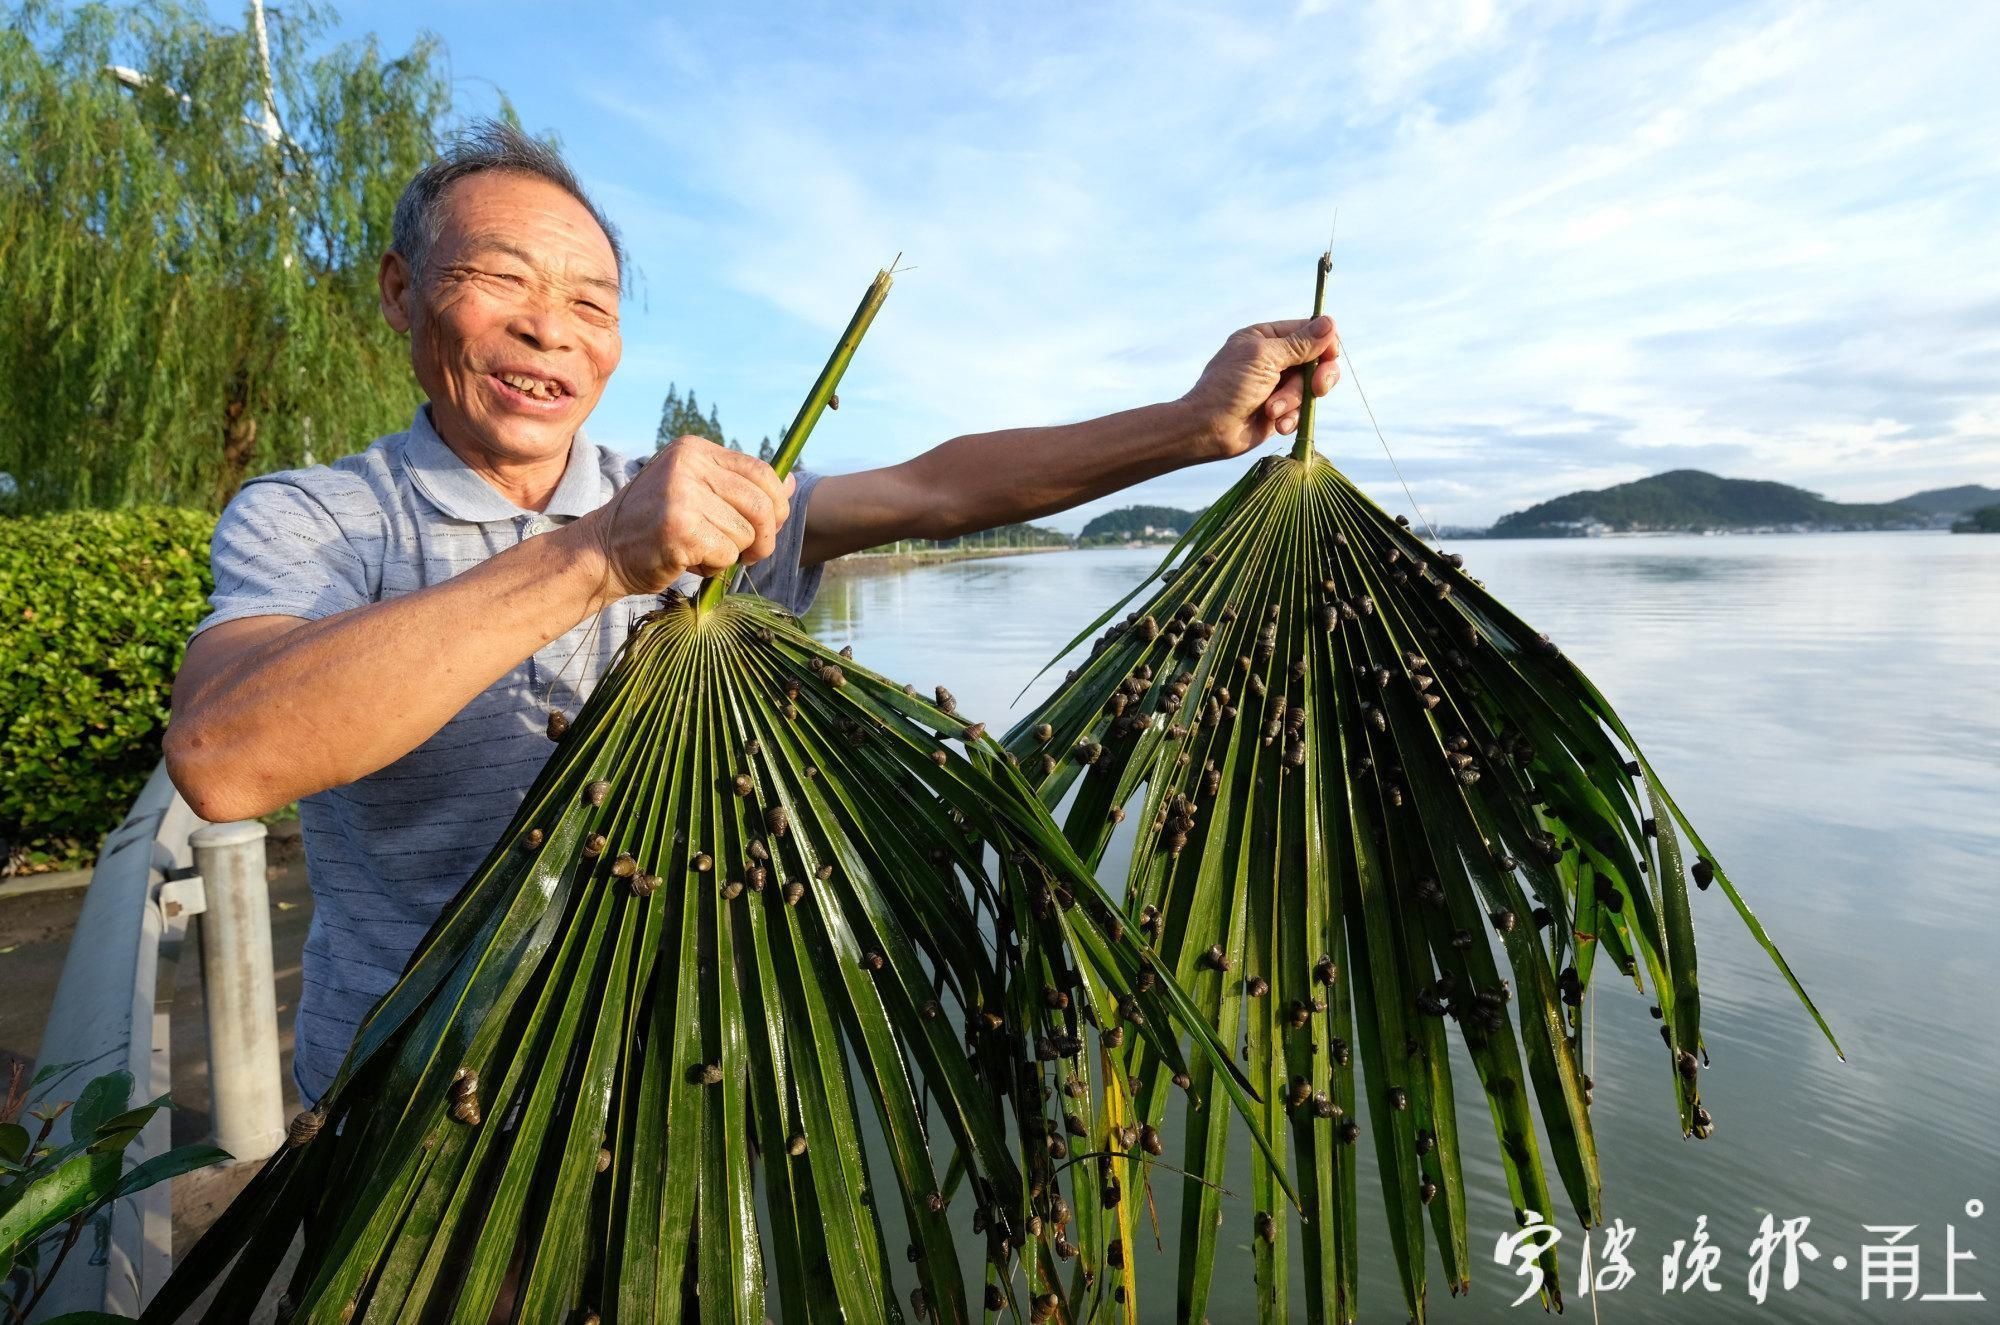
{"x":1130,"y":525}
{"x":1691,"y":501}
{"x":1985,"y":520}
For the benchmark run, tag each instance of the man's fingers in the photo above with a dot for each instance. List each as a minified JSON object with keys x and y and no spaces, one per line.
{"x":1308,"y":340}
{"x":725,"y":540}
{"x":721,"y":520}
{"x":1289,"y":394}
{"x":1278,"y":330}
{"x":750,"y":467}
{"x":1295,"y":340}
{"x":1286,"y":399}
{"x":753,"y":504}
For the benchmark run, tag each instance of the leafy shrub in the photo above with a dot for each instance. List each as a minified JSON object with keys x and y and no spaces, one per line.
{"x":52,"y":1187}
{"x":95,"y":608}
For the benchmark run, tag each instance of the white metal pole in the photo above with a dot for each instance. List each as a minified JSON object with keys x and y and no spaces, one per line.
{"x":271,"y":130}
{"x":239,"y":990}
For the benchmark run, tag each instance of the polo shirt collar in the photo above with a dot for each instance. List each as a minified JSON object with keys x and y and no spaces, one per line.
{"x":449,"y":484}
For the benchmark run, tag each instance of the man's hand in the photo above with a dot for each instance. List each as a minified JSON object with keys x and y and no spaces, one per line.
{"x":1248,"y":392}
{"x":263,"y":706}
{"x":695,"y":506}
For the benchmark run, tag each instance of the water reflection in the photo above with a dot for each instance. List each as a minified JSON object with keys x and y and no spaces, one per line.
{"x":1826,"y":708}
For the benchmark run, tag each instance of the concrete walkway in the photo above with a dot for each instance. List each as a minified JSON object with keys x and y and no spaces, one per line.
{"x":35,"y":931}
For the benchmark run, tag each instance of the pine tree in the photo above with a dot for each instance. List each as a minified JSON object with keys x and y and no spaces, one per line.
{"x":714,"y":432}
{"x":670,"y":418}
{"x":683,"y":418}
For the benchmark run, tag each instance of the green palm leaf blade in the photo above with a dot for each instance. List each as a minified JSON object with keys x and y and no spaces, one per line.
{"x":763,"y":917}
{"x":1375,"y":812}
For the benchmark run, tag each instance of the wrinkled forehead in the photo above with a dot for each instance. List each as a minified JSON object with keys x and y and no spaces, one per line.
{"x":527,"y":220}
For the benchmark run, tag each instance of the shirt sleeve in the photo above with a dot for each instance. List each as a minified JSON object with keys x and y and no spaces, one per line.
{"x":780,"y":577}
{"x":278,"y":551}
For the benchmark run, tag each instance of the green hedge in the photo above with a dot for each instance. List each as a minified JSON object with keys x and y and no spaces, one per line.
{"x":95,"y":608}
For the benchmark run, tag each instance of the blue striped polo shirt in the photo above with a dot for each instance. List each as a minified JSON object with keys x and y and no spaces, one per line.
{"x":386,"y":853}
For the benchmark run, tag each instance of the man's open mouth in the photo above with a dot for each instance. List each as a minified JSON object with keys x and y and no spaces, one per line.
{"x":535,"y":388}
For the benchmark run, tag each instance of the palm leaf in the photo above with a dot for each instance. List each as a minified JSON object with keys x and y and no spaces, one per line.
{"x":755,"y":884}
{"x":1362,"y":785}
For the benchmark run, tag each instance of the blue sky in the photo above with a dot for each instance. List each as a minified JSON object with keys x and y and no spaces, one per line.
{"x":1578,"y":243}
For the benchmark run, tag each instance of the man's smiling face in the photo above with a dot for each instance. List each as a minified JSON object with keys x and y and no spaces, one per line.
{"x":513,"y":322}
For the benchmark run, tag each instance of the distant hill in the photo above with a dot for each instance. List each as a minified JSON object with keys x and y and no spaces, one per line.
{"x":1138,"y":523}
{"x":1691,"y":501}
{"x":1961,"y":500}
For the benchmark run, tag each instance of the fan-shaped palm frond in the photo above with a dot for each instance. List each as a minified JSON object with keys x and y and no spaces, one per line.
{"x":1374,"y":802}
{"x":755,"y":883}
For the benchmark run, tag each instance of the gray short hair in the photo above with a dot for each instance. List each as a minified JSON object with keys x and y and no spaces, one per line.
{"x":481,"y":146}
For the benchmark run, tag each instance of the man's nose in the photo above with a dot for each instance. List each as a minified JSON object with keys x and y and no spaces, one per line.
{"x":544,"y":326}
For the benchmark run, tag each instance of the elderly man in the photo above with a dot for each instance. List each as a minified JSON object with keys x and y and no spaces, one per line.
{"x":390,"y":633}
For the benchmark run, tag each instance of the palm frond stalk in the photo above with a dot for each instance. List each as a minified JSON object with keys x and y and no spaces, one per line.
{"x":1372,"y":803}
{"x":622,"y":1077}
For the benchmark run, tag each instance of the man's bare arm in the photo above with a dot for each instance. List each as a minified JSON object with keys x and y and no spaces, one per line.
{"x":976,"y":482}
{"x":987,"y":479}
{"x":269,"y":709}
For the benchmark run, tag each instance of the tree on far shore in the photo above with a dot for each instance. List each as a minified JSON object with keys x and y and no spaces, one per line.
{"x":682,"y":417}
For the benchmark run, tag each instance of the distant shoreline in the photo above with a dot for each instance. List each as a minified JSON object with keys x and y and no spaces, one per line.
{"x":1758,"y":531}
{"x":1741,"y":531}
{"x":877,"y":563}
{"x":882,"y":563}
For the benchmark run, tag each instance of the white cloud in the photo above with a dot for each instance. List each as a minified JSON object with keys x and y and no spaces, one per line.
{"x":1577,"y":244}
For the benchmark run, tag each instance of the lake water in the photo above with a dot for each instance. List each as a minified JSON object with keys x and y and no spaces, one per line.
{"x":1826,"y":708}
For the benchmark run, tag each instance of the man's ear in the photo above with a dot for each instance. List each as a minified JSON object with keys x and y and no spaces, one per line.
{"x":398,"y":287}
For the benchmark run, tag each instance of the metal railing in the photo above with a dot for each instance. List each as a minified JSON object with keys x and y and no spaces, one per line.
{"x":161,"y":871}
